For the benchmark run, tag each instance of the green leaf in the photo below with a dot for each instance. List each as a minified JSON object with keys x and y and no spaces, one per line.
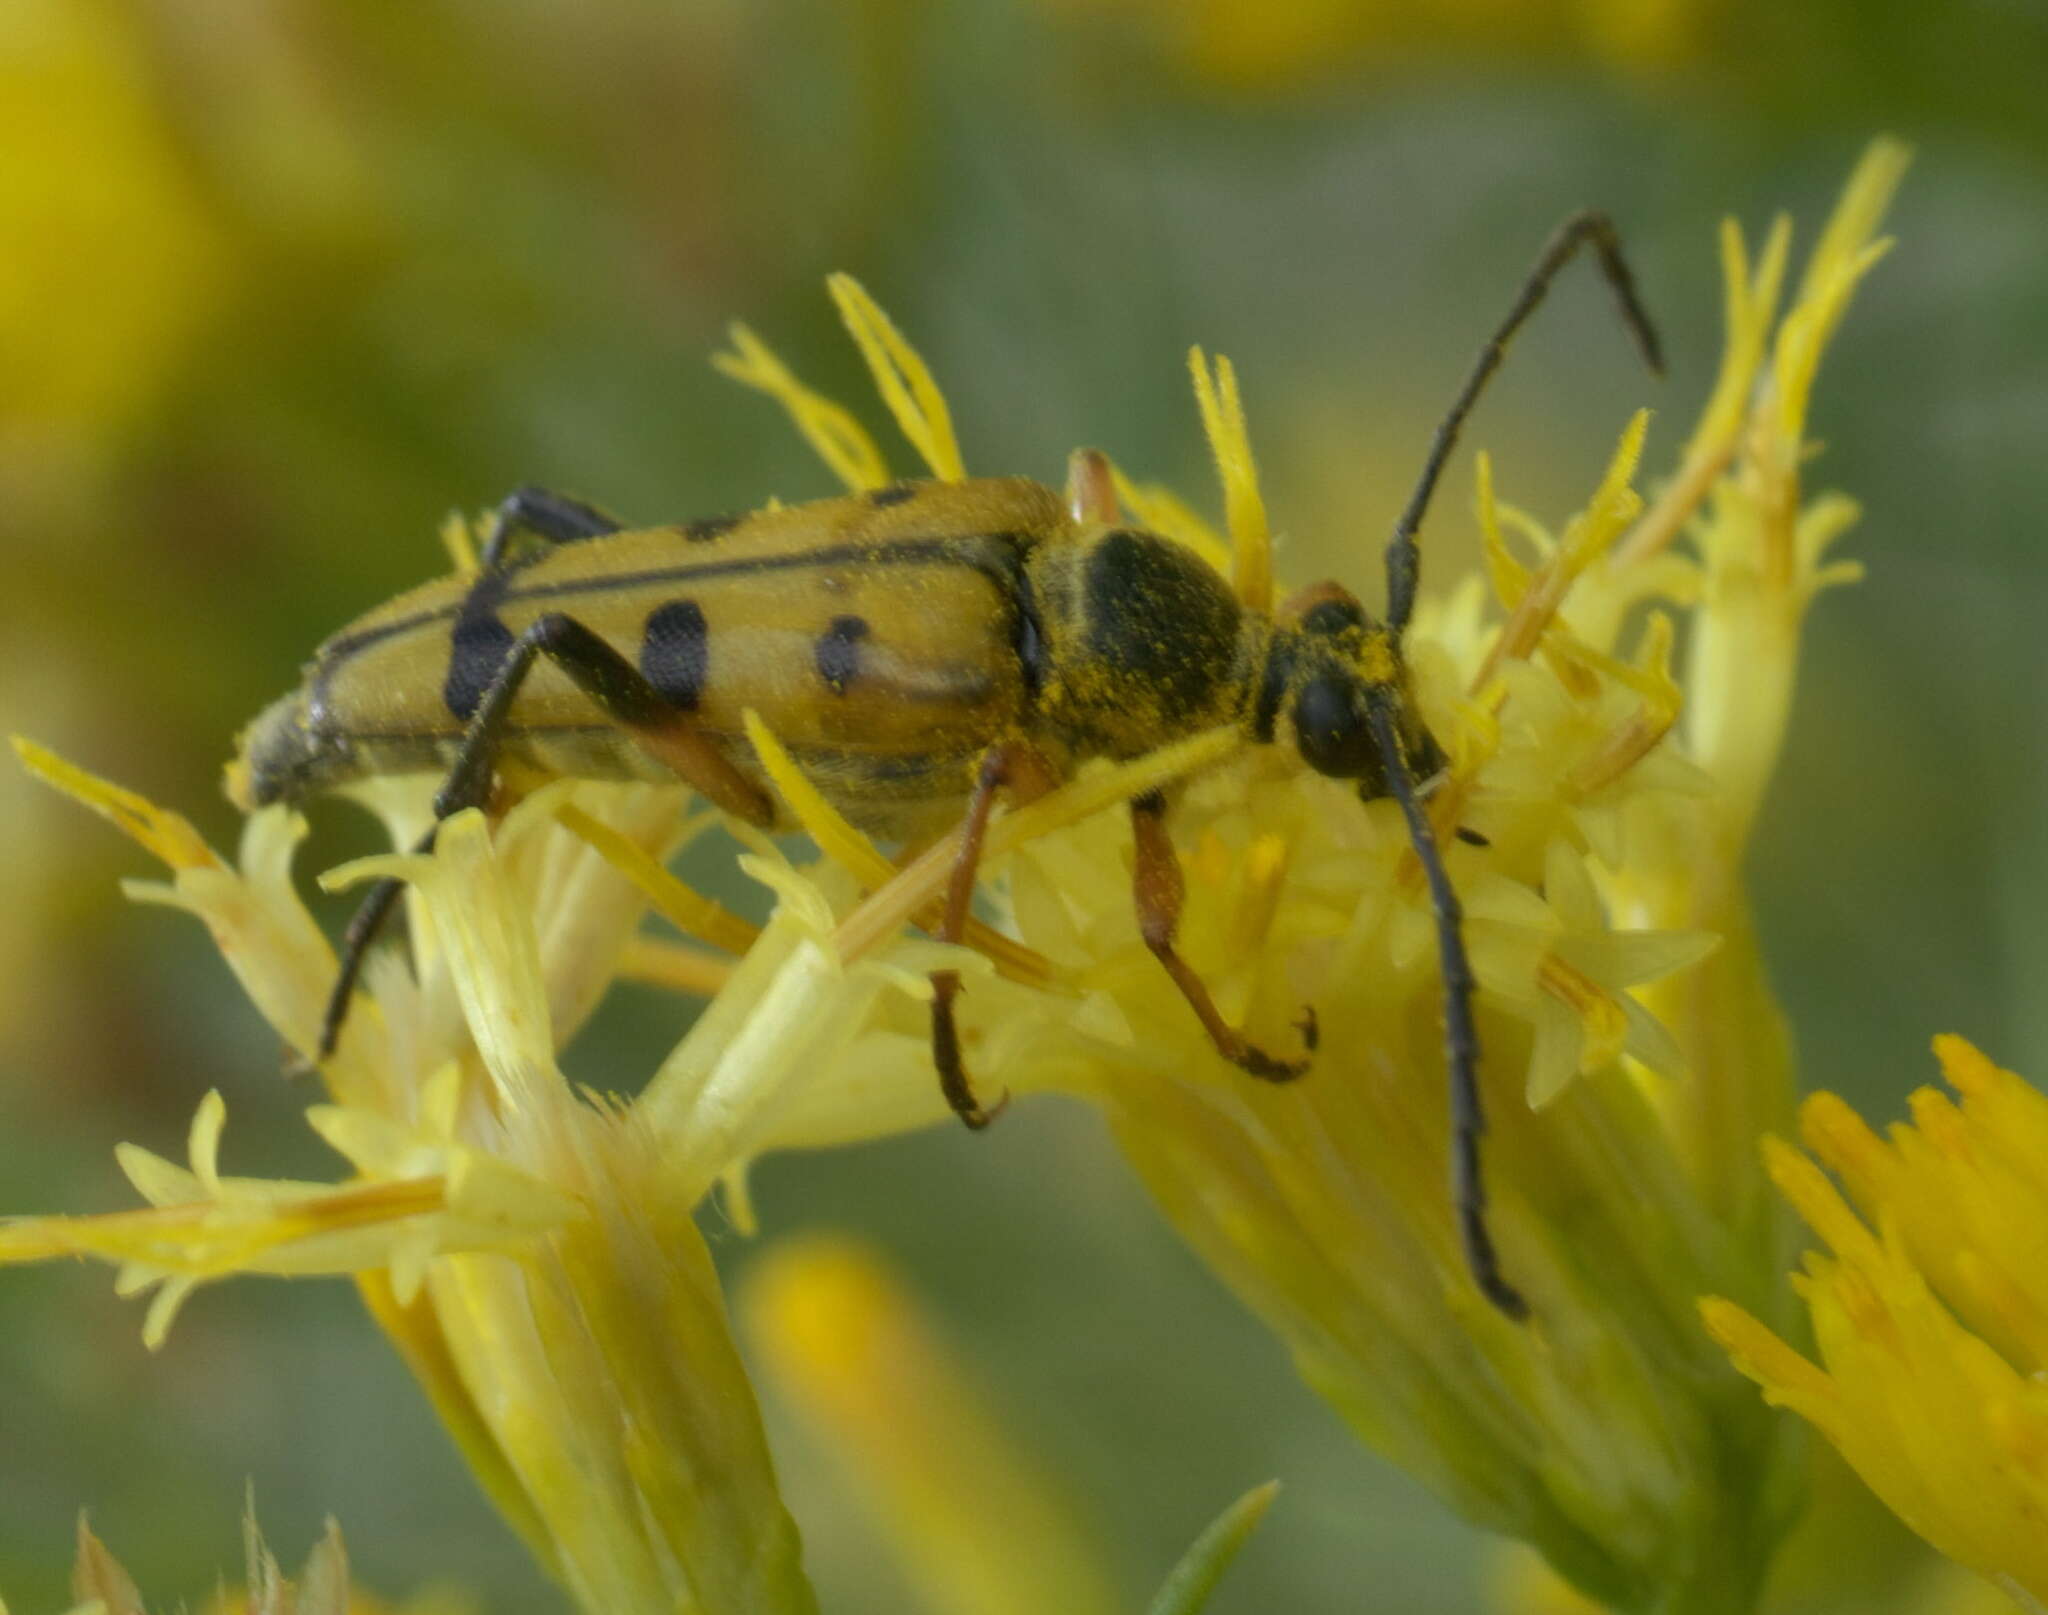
{"x":1188,"y":1588}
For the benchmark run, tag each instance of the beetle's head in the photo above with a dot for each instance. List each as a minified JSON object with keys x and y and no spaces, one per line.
{"x":276,"y":759}
{"x":1337,"y":667}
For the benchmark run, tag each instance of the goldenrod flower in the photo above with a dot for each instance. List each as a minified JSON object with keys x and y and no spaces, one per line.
{"x":1246,"y":48}
{"x":533,"y":1256}
{"x":1930,"y":1313}
{"x":88,"y":338}
{"x":974,"y":1524}
{"x":1630,"y":1036}
{"x":976,"y":1527}
{"x":530,"y":1251}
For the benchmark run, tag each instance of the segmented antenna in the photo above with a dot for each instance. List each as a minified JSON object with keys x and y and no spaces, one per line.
{"x":1589,"y":226}
{"x":1461,"y":1036}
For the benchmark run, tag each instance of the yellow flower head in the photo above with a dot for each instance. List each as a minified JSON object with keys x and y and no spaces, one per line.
{"x":1930,"y":1312}
{"x":1632,"y":1047}
{"x":532,"y":1252}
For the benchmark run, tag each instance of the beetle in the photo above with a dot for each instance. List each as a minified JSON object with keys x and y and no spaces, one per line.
{"x":921,"y":650}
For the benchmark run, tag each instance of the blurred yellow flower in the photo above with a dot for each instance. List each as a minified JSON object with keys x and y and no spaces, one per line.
{"x":1931,"y":1313}
{"x":1249,"y":47}
{"x":93,"y":184}
{"x":977,"y":1528}
{"x":533,"y":1256}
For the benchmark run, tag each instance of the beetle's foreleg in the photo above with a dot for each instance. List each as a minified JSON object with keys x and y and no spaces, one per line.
{"x":542,"y":514}
{"x":1159,"y":888}
{"x":624,"y":695}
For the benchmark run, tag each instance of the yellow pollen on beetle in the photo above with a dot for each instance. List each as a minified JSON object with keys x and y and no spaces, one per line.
{"x":1376,"y":663}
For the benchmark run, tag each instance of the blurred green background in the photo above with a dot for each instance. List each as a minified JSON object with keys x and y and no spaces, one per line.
{"x":282,"y":283}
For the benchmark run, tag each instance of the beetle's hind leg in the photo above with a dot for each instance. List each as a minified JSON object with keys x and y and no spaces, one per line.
{"x":1017,"y":767}
{"x":1158,"y":888}
{"x":625,"y":696}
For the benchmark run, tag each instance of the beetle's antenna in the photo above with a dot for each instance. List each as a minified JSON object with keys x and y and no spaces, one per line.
{"x":1461,"y":1036}
{"x":1591,"y":225}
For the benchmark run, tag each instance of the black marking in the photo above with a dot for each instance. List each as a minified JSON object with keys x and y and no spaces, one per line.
{"x":838,"y":652}
{"x":478,"y":646}
{"x":1273,"y":686}
{"x":997,"y":556}
{"x":707,"y":528}
{"x":1159,"y":616}
{"x":1033,"y":657}
{"x":895,"y":494}
{"x":1332,"y":617}
{"x":538,"y":513}
{"x":1472,"y":837}
{"x":673,"y":653}
{"x":997,"y":562}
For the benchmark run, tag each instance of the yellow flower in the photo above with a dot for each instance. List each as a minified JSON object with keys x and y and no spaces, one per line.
{"x":107,"y":279}
{"x":978,"y":1530}
{"x":1615,"y":795}
{"x":1931,"y":1313}
{"x":1246,"y":48}
{"x":531,"y":1252}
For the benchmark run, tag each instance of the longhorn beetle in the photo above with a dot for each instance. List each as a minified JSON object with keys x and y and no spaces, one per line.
{"x":920,"y":649}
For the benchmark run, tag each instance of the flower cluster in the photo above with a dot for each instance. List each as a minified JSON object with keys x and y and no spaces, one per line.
{"x":1930,"y":1312}
{"x":530,"y":1250}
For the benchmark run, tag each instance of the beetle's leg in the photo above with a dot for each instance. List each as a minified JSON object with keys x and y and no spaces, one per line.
{"x":539,"y":513}
{"x":1091,"y":487}
{"x":1025,"y":773}
{"x":1158,"y":888}
{"x":625,"y":696}
{"x":952,"y":1071}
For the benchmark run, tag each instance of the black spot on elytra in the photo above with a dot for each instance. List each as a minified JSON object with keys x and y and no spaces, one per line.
{"x":838,"y":652}
{"x":477,"y":648}
{"x":707,"y":528}
{"x":895,"y":494}
{"x":672,"y":653}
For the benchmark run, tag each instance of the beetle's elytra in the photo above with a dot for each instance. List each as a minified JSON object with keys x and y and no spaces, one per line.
{"x":921,"y":650}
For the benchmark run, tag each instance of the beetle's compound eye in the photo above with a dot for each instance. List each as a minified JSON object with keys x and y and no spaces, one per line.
{"x":1330,"y":728}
